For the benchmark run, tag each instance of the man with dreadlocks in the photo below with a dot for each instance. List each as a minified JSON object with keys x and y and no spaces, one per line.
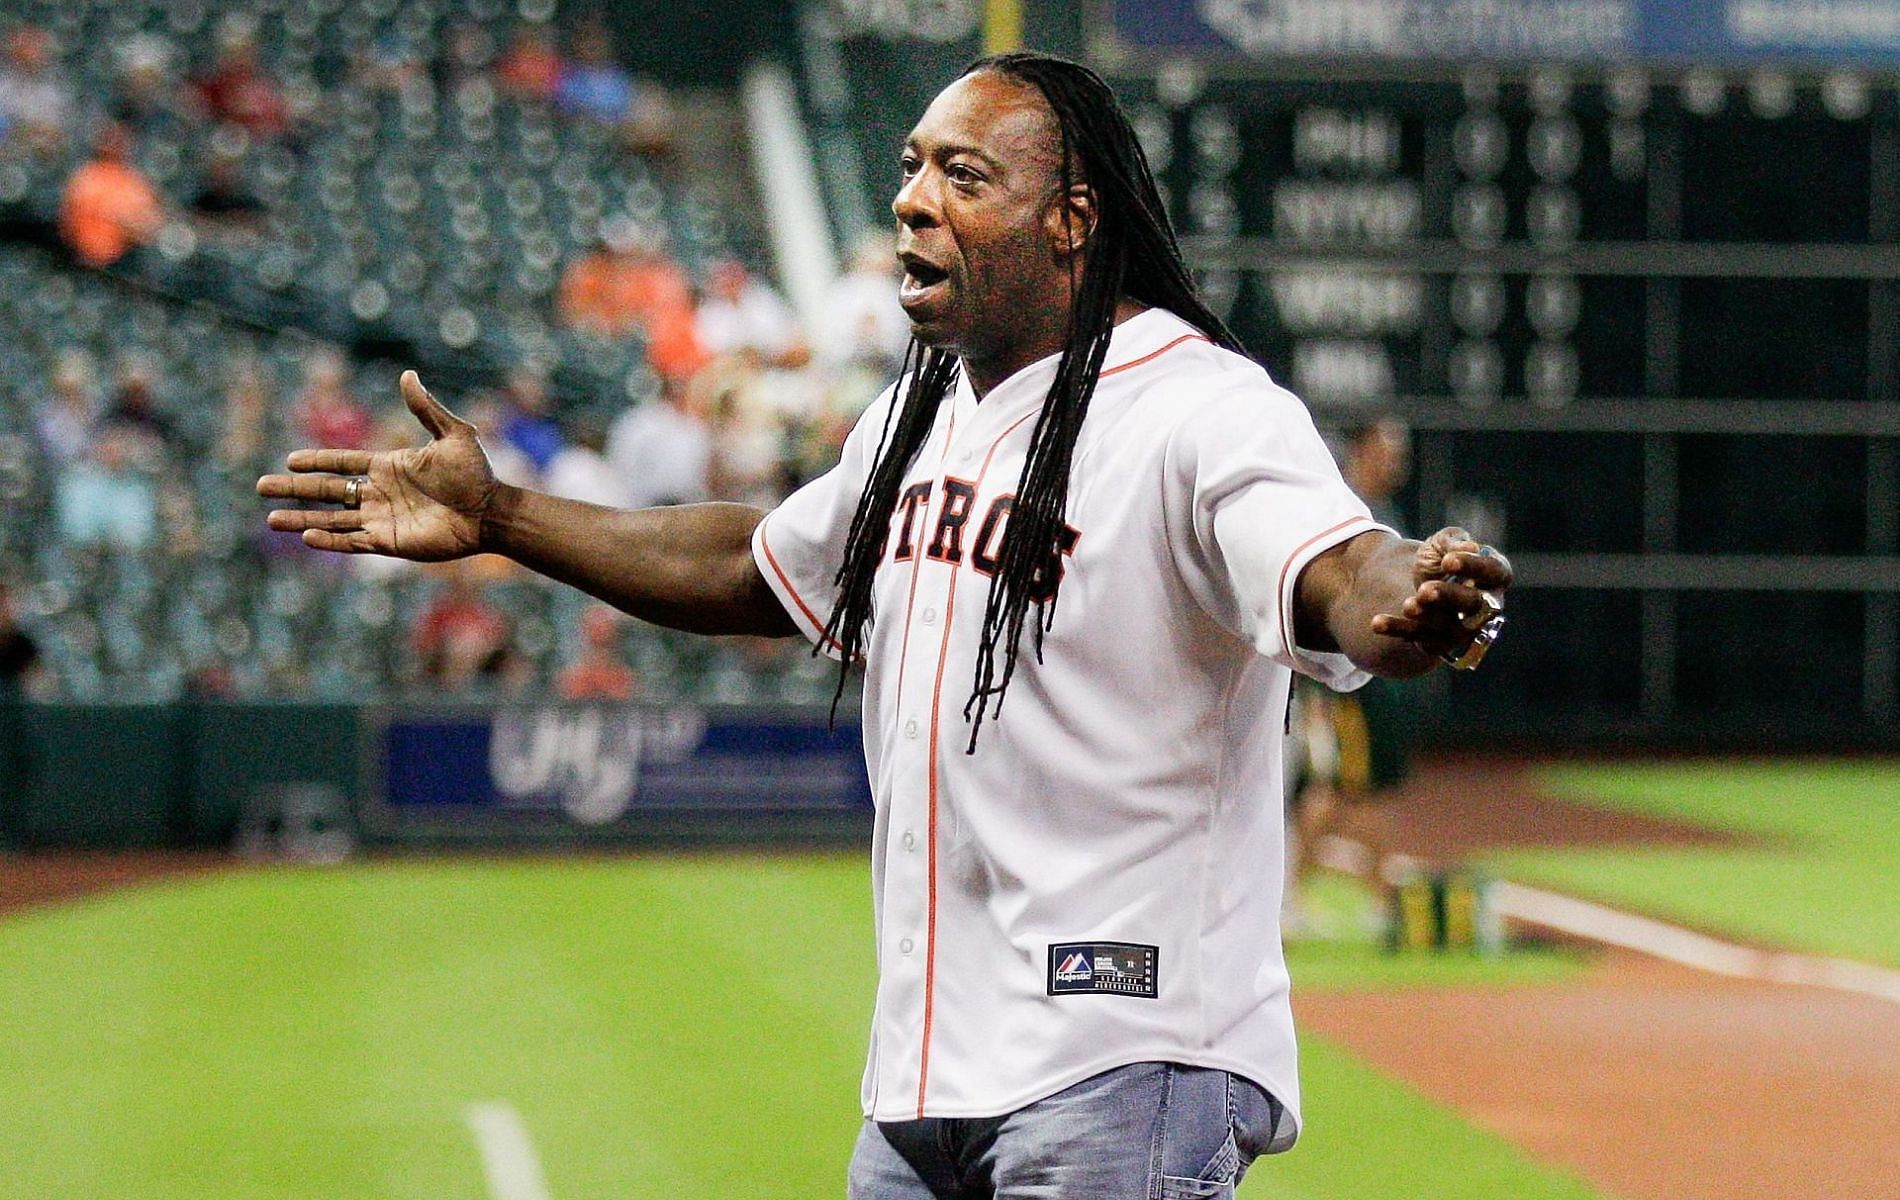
{"x":1082,"y":497}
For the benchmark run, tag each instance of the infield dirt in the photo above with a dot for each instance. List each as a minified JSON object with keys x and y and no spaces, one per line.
{"x":1651,"y":1081}
{"x":29,"y":880}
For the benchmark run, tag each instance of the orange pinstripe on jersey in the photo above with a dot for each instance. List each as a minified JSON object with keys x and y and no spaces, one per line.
{"x":1286,"y":631}
{"x":936,"y":703}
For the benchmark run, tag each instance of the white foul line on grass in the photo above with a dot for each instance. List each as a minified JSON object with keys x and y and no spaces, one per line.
{"x":1662,"y":940}
{"x":1646,"y":935}
{"x":514,"y":1173}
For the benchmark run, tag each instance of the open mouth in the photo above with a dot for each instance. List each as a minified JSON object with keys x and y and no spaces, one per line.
{"x":920,"y":279}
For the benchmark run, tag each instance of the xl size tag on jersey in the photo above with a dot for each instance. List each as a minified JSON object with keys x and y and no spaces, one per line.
{"x":1103,"y":969}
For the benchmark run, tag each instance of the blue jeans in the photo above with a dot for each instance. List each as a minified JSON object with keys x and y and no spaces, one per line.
{"x":1151,"y":1131}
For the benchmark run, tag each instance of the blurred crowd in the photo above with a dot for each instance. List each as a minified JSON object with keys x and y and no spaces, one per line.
{"x":746,"y":402}
{"x":110,"y":206}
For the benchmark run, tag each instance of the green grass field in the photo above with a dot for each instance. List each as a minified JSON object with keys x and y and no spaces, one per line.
{"x":1823,"y":879}
{"x":321,"y":1033}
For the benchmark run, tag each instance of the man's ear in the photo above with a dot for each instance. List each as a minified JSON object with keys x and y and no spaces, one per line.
{"x":1071,"y":221}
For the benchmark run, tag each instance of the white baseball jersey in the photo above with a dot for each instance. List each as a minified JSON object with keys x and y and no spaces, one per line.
{"x":1099,"y":883}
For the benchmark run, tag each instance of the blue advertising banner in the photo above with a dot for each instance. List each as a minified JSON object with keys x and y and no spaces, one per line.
{"x":584,"y":772}
{"x":1863,"y":32}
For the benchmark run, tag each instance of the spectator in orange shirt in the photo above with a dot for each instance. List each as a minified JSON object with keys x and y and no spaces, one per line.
{"x":628,"y":284}
{"x":625,"y":284}
{"x":601,"y":671}
{"x":674,"y":348}
{"x":531,"y":66}
{"x":109,"y":206}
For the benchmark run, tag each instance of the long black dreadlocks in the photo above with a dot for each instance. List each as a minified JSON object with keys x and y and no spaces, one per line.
{"x":1132,"y":253}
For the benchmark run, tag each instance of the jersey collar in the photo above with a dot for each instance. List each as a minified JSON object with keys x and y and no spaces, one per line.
{"x":1139,"y":337}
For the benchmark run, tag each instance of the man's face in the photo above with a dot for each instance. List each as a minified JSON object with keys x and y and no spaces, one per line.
{"x":981,"y":177}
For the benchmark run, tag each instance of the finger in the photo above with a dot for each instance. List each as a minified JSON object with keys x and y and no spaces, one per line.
{"x":1437,"y":622}
{"x":342,"y":543}
{"x":1404,"y":628}
{"x":1449,"y":596}
{"x":324,"y":489}
{"x":1444,"y":618}
{"x":435,"y":418}
{"x":339,"y":462}
{"x":1431,"y":636}
{"x":1483,"y":566}
{"x":1433,"y":551}
{"x":296,"y":520}
{"x":1430,"y":601}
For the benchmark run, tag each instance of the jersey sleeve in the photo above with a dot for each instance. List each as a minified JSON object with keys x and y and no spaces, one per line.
{"x":800,"y":545}
{"x":1265,"y":499}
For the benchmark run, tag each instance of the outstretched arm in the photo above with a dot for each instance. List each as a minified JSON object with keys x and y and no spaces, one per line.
{"x":688,"y":567}
{"x":1395,"y":606}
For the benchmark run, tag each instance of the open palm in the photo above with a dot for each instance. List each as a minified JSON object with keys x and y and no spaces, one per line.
{"x":425,"y":505}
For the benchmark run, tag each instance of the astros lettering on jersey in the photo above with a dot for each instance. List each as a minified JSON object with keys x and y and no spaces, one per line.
{"x":1097,"y":884}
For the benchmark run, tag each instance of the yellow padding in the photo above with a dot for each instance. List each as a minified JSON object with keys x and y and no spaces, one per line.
{"x":1355,"y":746}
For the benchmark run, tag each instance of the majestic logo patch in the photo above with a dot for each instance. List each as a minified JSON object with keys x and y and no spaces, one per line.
{"x":1104,"y":969}
{"x":1076,"y":968}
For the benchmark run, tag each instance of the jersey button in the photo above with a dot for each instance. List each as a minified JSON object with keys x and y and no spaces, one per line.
{"x":910,"y":728}
{"x":930,"y":616}
{"x":906,"y":946}
{"x":910,"y":840}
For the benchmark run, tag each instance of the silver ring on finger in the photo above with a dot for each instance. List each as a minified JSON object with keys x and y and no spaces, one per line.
{"x":353,"y":492}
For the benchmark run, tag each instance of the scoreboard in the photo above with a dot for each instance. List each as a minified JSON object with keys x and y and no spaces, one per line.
{"x":1630,"y":268}
{"x":1638,"y":294}
{"x":1543,"y":235}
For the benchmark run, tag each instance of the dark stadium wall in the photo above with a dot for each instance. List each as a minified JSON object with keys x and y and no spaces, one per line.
{"x":695,"y":44}
{"x":143,"y":776}
{"x":1057,"y":26}
{"x":195,"y":775}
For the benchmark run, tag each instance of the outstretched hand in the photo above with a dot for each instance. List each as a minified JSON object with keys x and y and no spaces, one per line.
{"x":426,"y":505}
{"x":1451,"y":574}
